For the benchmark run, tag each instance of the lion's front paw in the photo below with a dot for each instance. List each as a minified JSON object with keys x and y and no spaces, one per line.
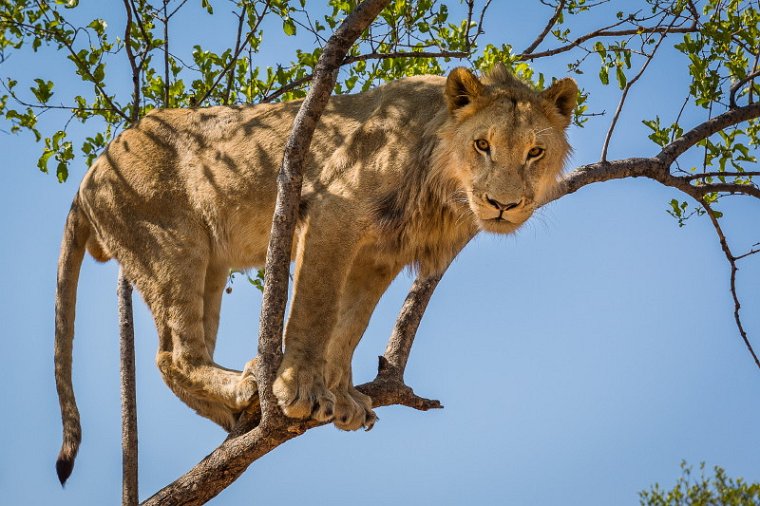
{"x":301,"y":393}
{"x":353,"y":410}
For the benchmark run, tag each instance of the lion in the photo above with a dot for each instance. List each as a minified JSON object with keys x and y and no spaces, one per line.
{"x":402,"y":175}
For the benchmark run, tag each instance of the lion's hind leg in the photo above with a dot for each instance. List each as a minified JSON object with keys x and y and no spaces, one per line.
{"x":186,"y":310}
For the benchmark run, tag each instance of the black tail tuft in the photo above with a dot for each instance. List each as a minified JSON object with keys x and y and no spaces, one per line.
{"x":64,"y":466}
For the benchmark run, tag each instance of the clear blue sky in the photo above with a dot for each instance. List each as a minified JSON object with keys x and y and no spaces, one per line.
{"x":578,"y":361}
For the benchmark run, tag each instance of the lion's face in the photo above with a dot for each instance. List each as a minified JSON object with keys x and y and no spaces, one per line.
{"x":508,"y":142}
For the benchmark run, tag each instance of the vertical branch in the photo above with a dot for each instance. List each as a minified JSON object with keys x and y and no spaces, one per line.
{"x":626,"y":89}
{"x":289,"y":180}
{"x":129,"y":489}
{"x":135,"y":112}
{"x":231,"y":75}
{"x":166,"y":56}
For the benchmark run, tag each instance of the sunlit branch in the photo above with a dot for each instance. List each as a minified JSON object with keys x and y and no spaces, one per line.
{"x":541,"y":36}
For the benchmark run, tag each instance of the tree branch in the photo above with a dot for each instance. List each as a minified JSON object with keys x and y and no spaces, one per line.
{"x":730,"y":188}
{"x":129,"y":489}
{"x":135,"y":113}
{"x":65,"y":43}
{"x":364,"y":57}
{"x":738,"y":84}
{"x":732,"y":262}
{"x":235,"y":56}
{"x":545,"y":31}
{"x":731,"y":117}
{"x":624,"y":95}
{"x":606,"y":32}
{"x":703,"y":175}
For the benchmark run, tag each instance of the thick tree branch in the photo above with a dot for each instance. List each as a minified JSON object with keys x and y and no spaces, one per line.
{"x":288,"y":194}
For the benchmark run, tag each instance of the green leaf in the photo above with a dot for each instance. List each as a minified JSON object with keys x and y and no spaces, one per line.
{"x":621,"y":79}
{"x":62,"y":171}
{"x":604,"y":75}
{"x":289,"y":26}
{"x":599,"y":48}
{"x":43,"y":91}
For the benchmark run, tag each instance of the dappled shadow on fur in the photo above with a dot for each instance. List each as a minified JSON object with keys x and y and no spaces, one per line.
{"x":402,"y":175}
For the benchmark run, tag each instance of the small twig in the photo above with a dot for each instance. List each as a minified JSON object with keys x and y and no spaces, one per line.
{"x":624,"y":95}
{"x":172,"y":13}
{"x":470,"y":8}
{"x":605,"y":32}
{"x":480,"y":24}
{"x":732,"y":261}
{"x":83,"y":67}
{"x":135,"y":113}
{"x":235,"y":56}
{"x":166,"y":55}
{"x":231,"y":76}
{"x":738,"y":84}
{"x":753,"y":251}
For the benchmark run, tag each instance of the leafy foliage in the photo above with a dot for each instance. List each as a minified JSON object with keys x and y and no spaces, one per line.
{"x":717,"y":490}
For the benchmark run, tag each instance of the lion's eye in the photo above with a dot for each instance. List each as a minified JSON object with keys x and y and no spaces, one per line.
{"x":535,"y":152}
{"x":482,"y":145}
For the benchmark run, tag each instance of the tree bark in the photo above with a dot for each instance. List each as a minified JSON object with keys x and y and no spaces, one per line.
{"x":129,"y":490}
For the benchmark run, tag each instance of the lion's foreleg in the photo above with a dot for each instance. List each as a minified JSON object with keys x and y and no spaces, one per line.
{"x":325,"y":251}
{"x":366,"y":283}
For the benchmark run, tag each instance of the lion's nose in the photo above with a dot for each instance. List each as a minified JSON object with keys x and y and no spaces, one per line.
{"x":503,"y":207}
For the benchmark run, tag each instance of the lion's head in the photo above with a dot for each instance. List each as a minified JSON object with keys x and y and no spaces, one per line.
{"x":506,"y":143}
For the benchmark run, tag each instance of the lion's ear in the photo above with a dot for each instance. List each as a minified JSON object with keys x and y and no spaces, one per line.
{"x":563,"y":94}
{"x":462,"y":87}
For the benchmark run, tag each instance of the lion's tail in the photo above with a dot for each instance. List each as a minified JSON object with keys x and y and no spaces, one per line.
{"x":75,"y":235}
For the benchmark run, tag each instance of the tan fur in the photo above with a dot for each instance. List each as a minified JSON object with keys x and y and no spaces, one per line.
{"x":393,"y":179}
